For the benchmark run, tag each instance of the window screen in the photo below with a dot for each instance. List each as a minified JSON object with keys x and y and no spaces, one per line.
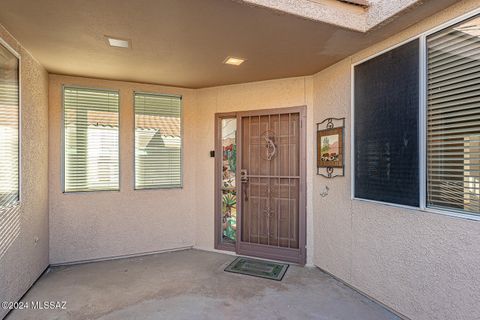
{"x":386,"y":155}
{"x":453,"y":135}
{"x":158,"y":141}
{"x":9,"y":125}
{"x":91,"y":122}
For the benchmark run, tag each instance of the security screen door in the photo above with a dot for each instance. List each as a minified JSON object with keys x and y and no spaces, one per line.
{"x":271,"y":184}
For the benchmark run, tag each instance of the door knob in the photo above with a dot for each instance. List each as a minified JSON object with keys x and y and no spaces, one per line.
{"x":243,"y":175}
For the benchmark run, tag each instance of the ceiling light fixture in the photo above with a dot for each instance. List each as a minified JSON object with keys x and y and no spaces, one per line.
{"x":119,"y":43}
{"x":234,"y":61}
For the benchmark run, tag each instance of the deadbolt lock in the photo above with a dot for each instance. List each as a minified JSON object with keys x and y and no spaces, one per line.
{"x":243,"y":175}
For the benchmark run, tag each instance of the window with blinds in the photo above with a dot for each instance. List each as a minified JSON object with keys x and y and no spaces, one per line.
{"x":453,"y":135}
{"x":158,"y":141}
{"x":91,"y":133}
{"x":9,"y":128}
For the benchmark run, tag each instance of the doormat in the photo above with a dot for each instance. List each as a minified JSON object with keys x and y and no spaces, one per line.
{"x":258,"y":268}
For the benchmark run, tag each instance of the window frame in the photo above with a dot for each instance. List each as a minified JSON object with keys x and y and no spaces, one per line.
{"x":62,"y":128}
{"x":169,"y":187}
{"x":19,"y":164}
{"x":422,"y":38}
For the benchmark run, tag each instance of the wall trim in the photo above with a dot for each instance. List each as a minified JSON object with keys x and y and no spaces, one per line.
{"x":400,"y":315}
{"x":233,"y":254}
{"x":45,"y":271}
{"x":125,"y":256}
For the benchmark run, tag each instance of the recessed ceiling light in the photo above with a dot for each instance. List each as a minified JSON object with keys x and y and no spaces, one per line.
{"x":234,"y":61}
{"x":119,"y":43}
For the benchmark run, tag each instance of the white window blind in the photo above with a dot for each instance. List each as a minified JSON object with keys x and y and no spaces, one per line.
{"x":91,"y":124}
{"x":158,"y":141}
{"x":9,"y":126}
{"x":453,"y":146}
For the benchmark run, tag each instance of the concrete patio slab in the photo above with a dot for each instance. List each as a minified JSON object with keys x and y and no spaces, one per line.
{"x":191,"y":284}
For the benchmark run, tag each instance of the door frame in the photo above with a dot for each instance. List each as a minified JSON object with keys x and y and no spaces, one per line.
{"x":263,"y":251}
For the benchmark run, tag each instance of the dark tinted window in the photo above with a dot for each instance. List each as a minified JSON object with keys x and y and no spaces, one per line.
{"x":386,"y":127}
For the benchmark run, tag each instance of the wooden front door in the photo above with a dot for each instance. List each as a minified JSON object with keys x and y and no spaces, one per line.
{"x":271,"y":188}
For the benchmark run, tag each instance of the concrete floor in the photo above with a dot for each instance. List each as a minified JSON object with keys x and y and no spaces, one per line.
{"x":191,"y":284}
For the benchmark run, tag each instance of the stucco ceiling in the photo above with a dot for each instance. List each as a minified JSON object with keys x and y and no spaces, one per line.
{"x":184,"y":42}
{"x":358,"y":15}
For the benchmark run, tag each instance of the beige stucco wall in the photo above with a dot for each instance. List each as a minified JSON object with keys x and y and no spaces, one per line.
{"x":249,"y":96}
{"x":95,"y":225}
{"x":423,"y":265}
{"x":92,"y":225}
{"x":26,"y":258}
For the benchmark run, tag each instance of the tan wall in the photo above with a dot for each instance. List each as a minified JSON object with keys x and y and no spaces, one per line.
{"x":423,"y":265}
{"x":93,"y":225}
{"x":250,"y":96}
{"x":25,"y":260}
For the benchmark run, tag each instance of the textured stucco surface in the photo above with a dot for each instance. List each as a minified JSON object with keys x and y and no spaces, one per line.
{"x":86,"y":226}
{"x":250,"y":96}
{"x":26,"y":259}
{"x":341,"y":14}
{"x":332,"y":12}
{"x":423,"y":265}
{"x":93,"y":225}
{"x":382,"y":11}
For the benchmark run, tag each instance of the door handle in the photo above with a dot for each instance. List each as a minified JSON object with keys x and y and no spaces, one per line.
{"x":244,"y":179}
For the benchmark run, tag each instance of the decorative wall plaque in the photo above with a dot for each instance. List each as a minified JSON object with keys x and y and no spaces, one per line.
{"x":330,"y":147}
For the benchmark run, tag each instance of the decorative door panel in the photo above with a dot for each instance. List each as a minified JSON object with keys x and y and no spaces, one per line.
{"x":271,"y":188}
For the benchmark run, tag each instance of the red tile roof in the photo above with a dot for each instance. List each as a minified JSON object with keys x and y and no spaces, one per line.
{"x":168,"y":126}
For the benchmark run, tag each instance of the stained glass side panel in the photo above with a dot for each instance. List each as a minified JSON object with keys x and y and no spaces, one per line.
{"x":229,"y":167}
